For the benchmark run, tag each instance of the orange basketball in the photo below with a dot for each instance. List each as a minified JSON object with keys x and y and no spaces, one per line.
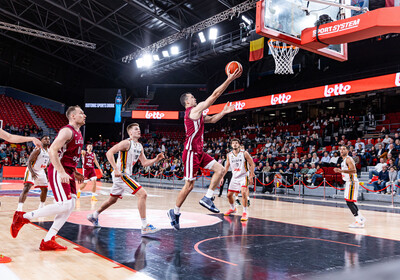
{"x":232,"y":66}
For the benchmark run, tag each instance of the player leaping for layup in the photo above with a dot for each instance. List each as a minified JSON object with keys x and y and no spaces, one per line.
{"x":349,"y":173}
{"x":193,"y":156}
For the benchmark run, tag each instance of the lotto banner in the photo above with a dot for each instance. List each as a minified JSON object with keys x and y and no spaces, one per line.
{"x":326,"y":91}
{"x":156,"y":115}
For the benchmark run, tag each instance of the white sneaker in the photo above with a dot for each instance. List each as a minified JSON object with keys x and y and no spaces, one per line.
{"x":362,"y":219}
{"x":356,"y":224}
{"x":149,"y":229}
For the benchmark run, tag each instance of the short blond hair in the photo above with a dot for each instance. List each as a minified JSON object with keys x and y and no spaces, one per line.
{"x":70,"y":110}
{"x":130,"y":126}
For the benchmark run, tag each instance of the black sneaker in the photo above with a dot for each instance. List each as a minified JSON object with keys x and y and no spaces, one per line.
{"x":209,"y":204}
{"x":237,"y":202}
{"x":174,"y":218}
{"x":248,"y":203}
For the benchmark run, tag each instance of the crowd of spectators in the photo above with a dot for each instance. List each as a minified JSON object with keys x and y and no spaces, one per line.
{"x":302,"y":150}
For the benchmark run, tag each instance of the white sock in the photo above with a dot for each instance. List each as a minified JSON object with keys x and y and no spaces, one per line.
{"x":20,"y":204}
{"x":244,"y":209}
{"x":79,"y":190}
{"x":232,"y":206}
{"x":48,"y":210}
{"x":144,"y":223}
{"x":210,"y":193}
{"x":60,"y":219}
{"x":93,"y":194}
{"x":41,"y":205}
{"x":95,"y":214}
{"x":177,"y":210}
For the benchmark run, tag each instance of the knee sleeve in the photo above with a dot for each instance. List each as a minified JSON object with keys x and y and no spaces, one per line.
{"x":353,"y":208}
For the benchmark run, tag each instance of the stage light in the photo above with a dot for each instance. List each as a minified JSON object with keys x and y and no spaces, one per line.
{"x":165,"y":53}
{"x":213,"y":34}
{"x":246,"y":20}
{"x":147,"y":60}
{"x":156,"y":57}
{"x":139,"y":62}
{"x":202,"y":37}
{"x":174,"y":50}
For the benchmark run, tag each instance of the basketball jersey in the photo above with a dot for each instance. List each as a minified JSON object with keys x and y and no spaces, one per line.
{"x":127,"y":159}
{"x":69,"y":154}
{"x":348,"y":177}
{"x":194,"y":132}
{"x":238,"y":164}
{"x":88,"y":160}
{"x":42,"y":161}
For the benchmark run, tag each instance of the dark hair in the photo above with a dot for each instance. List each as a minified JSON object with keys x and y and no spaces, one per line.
{"x":235,"y":139}
{"x":41,"y":138}
{"x":347,"y":147}
{"x":183,"y":98}
{"x":70,"y":110}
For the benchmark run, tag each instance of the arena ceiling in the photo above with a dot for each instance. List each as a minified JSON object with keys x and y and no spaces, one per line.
{"x":117,"y":27}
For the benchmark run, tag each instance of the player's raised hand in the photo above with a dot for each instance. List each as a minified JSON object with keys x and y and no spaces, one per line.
{"x":229,"y":108}
{"x":37,"y":142}
{"x":160,"y":156}
{"x":238,"y":72}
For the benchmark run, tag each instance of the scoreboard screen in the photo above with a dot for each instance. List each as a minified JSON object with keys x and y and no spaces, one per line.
{"x":103,"y":105}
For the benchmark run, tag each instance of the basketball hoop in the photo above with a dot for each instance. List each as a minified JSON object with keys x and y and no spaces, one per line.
{"x":283,"y":55}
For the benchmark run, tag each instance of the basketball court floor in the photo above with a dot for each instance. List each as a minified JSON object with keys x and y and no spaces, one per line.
{"x":283,"y":239}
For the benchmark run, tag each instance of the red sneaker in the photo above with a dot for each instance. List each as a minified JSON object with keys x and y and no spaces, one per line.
{"x":230,"y":212}
{"x":18,"y":222}
{"x":51,"y":245}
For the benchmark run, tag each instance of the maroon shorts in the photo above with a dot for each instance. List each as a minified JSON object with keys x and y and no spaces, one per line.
{"x":193,"y":161}
{"x":61,"y":191}
{"x":89,"y":174}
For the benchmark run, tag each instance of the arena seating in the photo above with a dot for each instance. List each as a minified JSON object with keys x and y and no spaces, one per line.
{"x":14,"y":112}
{"x":52,"y":119}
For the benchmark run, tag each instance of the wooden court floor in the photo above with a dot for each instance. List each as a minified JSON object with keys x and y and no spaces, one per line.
{"x":118,"y":251}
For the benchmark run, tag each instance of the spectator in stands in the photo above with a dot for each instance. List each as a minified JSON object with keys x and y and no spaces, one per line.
{"x":356,"y":158}
{"x":2,"y":154}
{"x":315,"y":158}
{"x":296,"y":158}
{"x":23,"y":161}
{"x":334,"y":160}
{"x":392,"y":151}
{"x":288,"y":160}
{"x":311,"y":172}
{"x":380,"y":152}
{"x":15,"y":159}
{"x":397,"y":144}
{"x":385,"y":131}
{"x":359,"y":142}
{"x":392,"y":180}
{"x":397,"y":162}
{"x":383,"y":178}
{"x":319,"y":173}
{"x":325,"y":160}
{"x":378,"y":168}
{"x":6,"y":162}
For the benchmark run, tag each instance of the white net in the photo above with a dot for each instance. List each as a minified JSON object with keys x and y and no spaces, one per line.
{"x":283,"y":55}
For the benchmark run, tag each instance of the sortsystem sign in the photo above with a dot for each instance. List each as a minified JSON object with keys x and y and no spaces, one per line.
{"x":326,"y":91}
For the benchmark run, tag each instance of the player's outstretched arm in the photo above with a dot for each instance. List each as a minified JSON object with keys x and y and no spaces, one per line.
{"x":121,"y":146}
{"x":198,"y":110}
{"x":63,"y":137}
{"x":229,"y":108}
{"x":19,"y":139}
{"x":147,"y":162}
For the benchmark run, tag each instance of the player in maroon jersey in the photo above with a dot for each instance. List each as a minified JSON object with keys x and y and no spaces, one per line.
{"x":88,"y":158}
{"x":64,"y":156}
{"x":193,"y":155}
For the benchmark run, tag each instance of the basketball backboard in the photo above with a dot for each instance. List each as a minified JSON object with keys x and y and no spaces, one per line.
{"x":284,"y":20}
